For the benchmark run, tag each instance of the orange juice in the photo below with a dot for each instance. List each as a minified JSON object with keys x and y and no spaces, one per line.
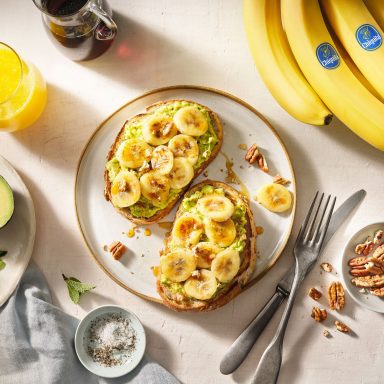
{"x":23,"y":92}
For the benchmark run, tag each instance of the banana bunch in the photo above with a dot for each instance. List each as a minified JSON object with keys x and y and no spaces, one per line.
{"x":202,"y":265}
{"x":320,"y":58}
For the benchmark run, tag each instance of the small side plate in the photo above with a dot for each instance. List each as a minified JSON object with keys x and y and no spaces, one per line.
{"x":367,"y":300}
{"x":81,"y":342}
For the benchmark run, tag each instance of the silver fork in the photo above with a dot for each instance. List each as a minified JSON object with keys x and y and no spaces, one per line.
{"x":306,"y":251}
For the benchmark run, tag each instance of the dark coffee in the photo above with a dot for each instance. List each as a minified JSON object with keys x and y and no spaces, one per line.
{"x":64,"y":7}
{"x":87,"y":38}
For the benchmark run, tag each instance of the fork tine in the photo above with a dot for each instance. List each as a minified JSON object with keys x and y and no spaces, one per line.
{"x":308,"y":234}
{"x":328,"y":219}
{"x":304,"y":226}
{"x":318,"y":226}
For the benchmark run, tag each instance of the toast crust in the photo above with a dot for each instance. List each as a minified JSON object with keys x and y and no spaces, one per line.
{"x":247,"y":266}
{"x":163,"y":212}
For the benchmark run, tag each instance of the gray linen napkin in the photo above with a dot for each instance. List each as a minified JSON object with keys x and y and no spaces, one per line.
{"x":36,"y":342}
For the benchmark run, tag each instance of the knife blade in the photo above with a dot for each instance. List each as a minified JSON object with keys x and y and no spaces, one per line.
{"x":239,"y":350}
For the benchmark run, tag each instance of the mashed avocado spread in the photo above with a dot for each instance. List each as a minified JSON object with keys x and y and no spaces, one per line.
{"x":206,"y":143}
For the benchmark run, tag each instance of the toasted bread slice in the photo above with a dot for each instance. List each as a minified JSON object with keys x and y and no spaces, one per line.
{"x":173,"y":294}
{"x":138,"y":120}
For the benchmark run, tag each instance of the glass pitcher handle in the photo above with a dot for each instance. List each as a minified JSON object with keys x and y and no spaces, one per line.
{"x":110,"y":29}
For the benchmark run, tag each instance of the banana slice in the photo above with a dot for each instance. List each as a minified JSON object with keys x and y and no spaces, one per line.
{"x":158,"y":130}
{"x":162,"y":160}
{"x":187,"y":230}
{"x":155,"y":187}
{"x":225,"y":265}
{"x":132,"y":153}
{"x":125,"y":189}
{"x":274,"y":197}
{"x":182,"y":173}
{"x":205,"y":252}
{"x":216,"y":207}
{"x":191,"y":121}
{"x":202,"y":286}
{"x":184,"y":146}
{"x":178,"y":265}
{"x":221,"y":233}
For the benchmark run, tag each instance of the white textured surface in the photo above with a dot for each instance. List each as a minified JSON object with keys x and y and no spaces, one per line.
{"x":202,"y":42}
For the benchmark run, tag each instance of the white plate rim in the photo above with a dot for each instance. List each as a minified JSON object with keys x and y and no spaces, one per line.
{"x":356,"y":295}
{"x":284,"y":242}
{"x":31,"y":239}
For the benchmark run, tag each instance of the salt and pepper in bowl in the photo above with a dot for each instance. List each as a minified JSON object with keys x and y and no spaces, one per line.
{"x":110,"y":341}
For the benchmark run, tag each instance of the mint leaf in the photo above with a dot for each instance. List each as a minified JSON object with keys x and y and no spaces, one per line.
{"x":2,"y":264}
{"x":76,"y":288}
{"x":3,"y":253}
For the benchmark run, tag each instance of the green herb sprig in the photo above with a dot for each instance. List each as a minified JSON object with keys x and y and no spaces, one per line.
{"x":76,"y":288}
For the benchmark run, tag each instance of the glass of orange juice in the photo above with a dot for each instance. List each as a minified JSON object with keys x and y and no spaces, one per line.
{"x":23,"y":92}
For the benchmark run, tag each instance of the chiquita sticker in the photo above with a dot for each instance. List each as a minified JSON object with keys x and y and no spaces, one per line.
{"x":327,"y":56}
{"x":368,"y":37}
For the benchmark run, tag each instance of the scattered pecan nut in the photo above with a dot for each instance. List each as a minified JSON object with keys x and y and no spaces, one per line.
{"x":243,"y":146}
{"x":365,"y":248}
{"x":378,"y":237}
{"x":314,"y":294}
{"x":336,"y":295}
{"x":319,"y":314}
{"x":341,"y":326}
{"x":254,"y":155}
{"x":327,"y":267}
{"x":377,"y":291}
{"x":280,"y":180}
{"x":376,"y":281}
{"x":326,"y":333}
{"x":116,"y":249}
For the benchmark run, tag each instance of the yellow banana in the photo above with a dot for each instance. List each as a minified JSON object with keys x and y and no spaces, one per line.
{"x":277,"y":65}
{"x":376,"y":7}
{"x":328,"y":74}
{"x":360,"y":35}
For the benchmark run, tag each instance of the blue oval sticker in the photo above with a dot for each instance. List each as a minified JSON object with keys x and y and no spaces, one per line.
{"x":327,"y":56}
{"x":368,"y":37}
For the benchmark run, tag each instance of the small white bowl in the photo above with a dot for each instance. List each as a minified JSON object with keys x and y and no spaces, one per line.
{"x":81,"y":342}
{"x":374,"y":303}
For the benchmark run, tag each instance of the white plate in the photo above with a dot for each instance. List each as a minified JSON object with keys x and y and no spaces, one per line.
{"x":18,"y":236}
{"x":374,"y":303}
{"x":100,"y":224}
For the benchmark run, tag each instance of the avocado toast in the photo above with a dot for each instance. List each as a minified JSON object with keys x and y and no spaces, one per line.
{"x":210,"y":254}
{"x":156,"y":156}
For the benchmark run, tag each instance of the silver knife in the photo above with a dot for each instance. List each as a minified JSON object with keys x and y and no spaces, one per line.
{"x":239,"y":350}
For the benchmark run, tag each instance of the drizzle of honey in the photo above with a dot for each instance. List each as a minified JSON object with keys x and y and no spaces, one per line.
{"x":165,"y":224}
{"x":233,"y":178}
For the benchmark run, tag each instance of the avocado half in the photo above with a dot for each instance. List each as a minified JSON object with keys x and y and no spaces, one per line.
{"x":7,"y":203}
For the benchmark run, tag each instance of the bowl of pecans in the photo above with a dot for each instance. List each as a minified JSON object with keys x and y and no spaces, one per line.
{"x":110,"y":341}
{"x":363,"y":267}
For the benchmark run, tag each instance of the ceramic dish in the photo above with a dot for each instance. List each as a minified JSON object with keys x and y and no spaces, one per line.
{"x":101,"y":225}
{"x":82,"y":342}
{"x":367,"y":300}
{"x":18,"y":235}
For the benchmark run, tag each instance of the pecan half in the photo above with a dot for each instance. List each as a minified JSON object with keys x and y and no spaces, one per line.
{"x":319,"y":314}
{"x":376,"y":281}
{"x":377,"y":292}
{"x":368,"y":269}
{"x":341,"y":326}
{"x":379,"y":252}
{"x":254,"y":155}
{"x":116,"y":249}
{"x":336,"y":296}
{"x":357,"y":261}
{"x":378,"y":236}
{"x":327,"y":267}
{"x":280,"y":180}
{"x":314,"y":294}
{"x":365,"y":248}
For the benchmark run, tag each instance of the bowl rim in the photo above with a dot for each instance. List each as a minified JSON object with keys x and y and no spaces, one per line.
{"x":109,"y":372}
{"x":344,"y":270}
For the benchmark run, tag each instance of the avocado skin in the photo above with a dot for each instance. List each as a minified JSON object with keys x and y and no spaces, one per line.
{"x":7,"y":202}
